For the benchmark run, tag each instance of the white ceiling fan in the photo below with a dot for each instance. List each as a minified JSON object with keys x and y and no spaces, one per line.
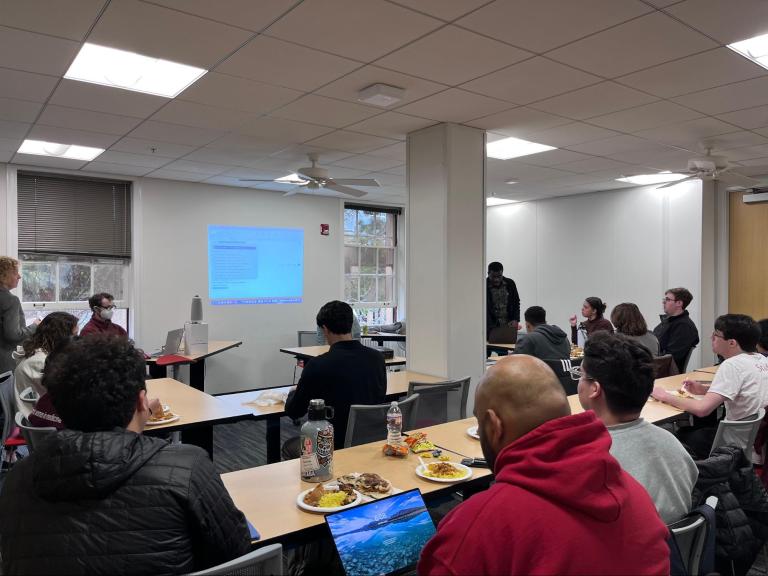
{"x":713,"y":167}
{"x":316,"y":177}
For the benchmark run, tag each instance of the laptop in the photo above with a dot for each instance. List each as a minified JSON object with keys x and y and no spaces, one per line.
{"x":172,"y":343}
{"x":384,"y":536}
{"x":502,"y":335}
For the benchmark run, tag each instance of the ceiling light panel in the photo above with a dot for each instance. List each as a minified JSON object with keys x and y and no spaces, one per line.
{"x":493,"y":201}
{"x":58,"y":150}
{"x":755,"y":49}
{"x":645,"y":179}
{"x":514,"y":148}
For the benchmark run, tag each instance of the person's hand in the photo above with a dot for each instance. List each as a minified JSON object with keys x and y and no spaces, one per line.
{"x":572,"y":320}
{"x":695,"y":386}
{"x":154,"y":406}
{"x":660,"y":393}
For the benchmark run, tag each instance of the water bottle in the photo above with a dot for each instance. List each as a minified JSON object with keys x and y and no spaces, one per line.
{"x":317,"y":443}
{"x":394,"y":424}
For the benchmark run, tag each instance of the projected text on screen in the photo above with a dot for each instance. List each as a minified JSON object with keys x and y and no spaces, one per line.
{"x":255,"y":265}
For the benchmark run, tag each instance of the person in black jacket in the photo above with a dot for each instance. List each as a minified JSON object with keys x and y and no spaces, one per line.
{"x":677,"y":334}
{"x":101,"y":498}
{"x":502,"y":300}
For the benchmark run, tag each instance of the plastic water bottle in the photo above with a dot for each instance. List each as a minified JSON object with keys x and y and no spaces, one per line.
{"x":394,"y":424}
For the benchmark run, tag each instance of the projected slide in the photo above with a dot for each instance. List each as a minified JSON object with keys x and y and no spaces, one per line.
{"x":255,"y":265}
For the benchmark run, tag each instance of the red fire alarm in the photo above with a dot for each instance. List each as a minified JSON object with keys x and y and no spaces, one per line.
{"x":325,"y":229}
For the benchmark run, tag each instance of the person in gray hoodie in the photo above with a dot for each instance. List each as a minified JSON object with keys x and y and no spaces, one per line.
{"x":545,"y":341}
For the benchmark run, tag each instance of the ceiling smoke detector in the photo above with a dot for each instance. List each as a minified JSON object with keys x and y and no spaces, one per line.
{"x":380,"y":95}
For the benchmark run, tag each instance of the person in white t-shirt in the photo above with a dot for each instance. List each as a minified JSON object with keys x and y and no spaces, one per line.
{"x":741,"y":382}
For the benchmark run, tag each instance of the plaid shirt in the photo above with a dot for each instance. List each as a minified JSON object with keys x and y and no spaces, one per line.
{"x":499,"y":296}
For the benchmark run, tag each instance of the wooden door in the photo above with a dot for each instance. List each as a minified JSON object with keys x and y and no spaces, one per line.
{"x":748,"y":258}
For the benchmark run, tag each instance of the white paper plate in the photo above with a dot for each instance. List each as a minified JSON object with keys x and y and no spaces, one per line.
{"x":316,"y":509}
{"x":468,"y":471}
{"x":169,"y":419}
{"x":472,"y":431}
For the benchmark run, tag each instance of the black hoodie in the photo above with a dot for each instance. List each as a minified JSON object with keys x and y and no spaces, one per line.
{"x":546,"y":341}
{"x":116,"y":503}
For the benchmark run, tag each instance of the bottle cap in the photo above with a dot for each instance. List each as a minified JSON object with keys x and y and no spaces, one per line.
{"x":316,"y":409}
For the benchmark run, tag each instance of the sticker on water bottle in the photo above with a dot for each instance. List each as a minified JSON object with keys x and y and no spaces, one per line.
{"x":309,"y":464}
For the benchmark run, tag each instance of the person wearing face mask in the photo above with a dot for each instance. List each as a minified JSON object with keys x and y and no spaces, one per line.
{"x":101,"y":322}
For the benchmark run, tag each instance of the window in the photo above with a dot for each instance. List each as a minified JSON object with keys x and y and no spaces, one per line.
{"x":370,"y":241}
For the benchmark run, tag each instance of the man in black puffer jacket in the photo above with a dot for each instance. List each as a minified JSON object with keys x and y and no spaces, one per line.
{"x":101,"y":498}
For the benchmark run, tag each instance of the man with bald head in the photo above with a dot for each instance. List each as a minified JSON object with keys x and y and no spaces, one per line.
{"x":561,"y":504}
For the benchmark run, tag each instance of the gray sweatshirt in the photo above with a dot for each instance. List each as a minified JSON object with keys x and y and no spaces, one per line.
{"x":546,"y":341}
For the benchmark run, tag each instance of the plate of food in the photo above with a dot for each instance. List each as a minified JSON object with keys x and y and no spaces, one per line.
{"x":681,"y":393}
{"x":368,"y":484}
{"x":163,"y":416}
{"x":472,"y":431}
{"x":444,"y":472}
{"x":326,"y":498}
{"x":419,"y":443}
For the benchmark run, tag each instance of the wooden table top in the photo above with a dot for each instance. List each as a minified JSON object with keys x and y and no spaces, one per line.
{"x":192,"y":405}
{"x":397,"y":384}
{"x":505,"y":346}
{"x":708,"y":369}
{"x":214,"y":347}
{"x":267,"y":494}
{"x":314,"y":351}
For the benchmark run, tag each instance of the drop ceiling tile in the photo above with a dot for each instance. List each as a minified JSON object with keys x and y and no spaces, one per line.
{"x":201,"y":116}
{"x":694,"y":73}
{"x":444,"y":9}
{"x":555,"y":158}
{"x":397,"y":151}
{"x":6,"y":155}
{"x":25,"y":85}
{"x":360,"y":29}
{"x":452,"y":55}
{"x":391,"y":125}
{"x":534,"y":79}
{"x":47,"y":161}
{"x":175,"y":133}
{"x":594,"y":165}
{"x":509,"y":169}
{"x":221,"y":180}
{"x":750,"y":118}
{"x":140,"y":160}
{"x":746,"y":94}
{"x":281,"y":130}
{"x":70,"y":20}
{"x":71,"y":136}
{"x":742,"y":155}
{"x":725,"y":21}
{"x":640,"y":43}
{"x":540,"y":26}
{"x":162,"y":33}
{"x":519,"y":121}
{"x":13,"y":130}
{"x":594,"y":100}
{"x":370,"y":163}
{"x":616,"y":144}
{"x":388,"y":180}
{"x":687,"y":134}
{"x":285,"y":64}
{"x":295,"y":156}
{"x":253,"y":145}
{"x":454,"y":105}
{"x":347,"y":87}
{"x":225,"y":156}
{"x":665,"y":159}
{"x":352,"y":142}
{"x":19,"y":110}
{"x":662,"y":3}
{"x":151,"y":147}
{"x":247,"y":14}
{"x":759,"y":162}
{"x":87,"y":96}
{"x":197,"y":167}
{"x":119,"y":169}
{"x":10,"y":145}
{"x":38,"y":53}
{"x":235,"y":93}
{"x":570,"y":134}
{"x":736,"y":140}
{"x":645,"y":117}
{"x":398,"y":170}
{"x":166,"y":174}
{"x":87,"y":120}
{"x":252,"y":173}
{"x":324,"y":111}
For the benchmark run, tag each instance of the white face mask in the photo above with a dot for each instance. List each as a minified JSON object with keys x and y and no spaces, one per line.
{"x":106,"y":314}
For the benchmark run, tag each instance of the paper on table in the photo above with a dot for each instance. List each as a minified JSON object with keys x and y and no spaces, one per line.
{"x":268,"y":398}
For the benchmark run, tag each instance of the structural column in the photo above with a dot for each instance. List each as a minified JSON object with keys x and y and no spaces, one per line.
{"x":445,"y":264}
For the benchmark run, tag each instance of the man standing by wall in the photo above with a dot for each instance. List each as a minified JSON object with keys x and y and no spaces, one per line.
{"x":502,"y":305}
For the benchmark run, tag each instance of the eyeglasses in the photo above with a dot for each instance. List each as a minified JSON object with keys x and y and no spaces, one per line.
{"x":667,"y":299}
{"x":577,"y":373}
{"x":716,"y":335}
{"x":110,"y":307}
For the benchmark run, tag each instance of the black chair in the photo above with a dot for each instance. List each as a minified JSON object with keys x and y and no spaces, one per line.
{"x":684,"y":364}
{"x":440,"y":402}
{"x":562,"y":369}
{"x":369,"y":423}
{"x":664,"y":366}
{"x":692,"y":540}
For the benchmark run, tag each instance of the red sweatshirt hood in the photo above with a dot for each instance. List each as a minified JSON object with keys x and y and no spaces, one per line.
{"x":566,"y":461}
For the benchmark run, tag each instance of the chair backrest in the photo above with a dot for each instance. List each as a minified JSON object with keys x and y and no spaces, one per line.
{"x":266,"y":561}
{"x":690,"y":536}
{"x":440,"y":402}
{"x":307,"y":338}
{"x":8,"y":401}
{"x":369,"y":423}
{"x":665,"y":366}
{"x":739,"y":433}
{"x":685,"y":361}
{"x":561,"y":368}
{"x":32,"y":434}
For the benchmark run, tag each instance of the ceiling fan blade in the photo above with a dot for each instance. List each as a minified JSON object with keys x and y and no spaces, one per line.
{"x":736,"y":179}
{"x":676,"y":182}
{"x":355,"y":182}
{"x":345,"y":190}
{"x":292,"y":191}
{"x":253,"y":180}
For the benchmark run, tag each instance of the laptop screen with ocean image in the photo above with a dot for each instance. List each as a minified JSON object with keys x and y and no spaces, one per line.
{"x":384,"y":536}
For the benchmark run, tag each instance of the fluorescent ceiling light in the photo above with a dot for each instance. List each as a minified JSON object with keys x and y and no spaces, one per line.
{"x":510,"y":182}
{"x":493,"y":201}
{"x":514,"y":148}
{"x":70,"y":151}
{"x":755,"y":49}
{"x":643,"y":179}
{"x":131,"y":71}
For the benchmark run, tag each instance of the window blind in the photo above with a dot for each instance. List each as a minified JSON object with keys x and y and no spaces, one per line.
{"x":371,"y":208}
{"x":68,"y":215}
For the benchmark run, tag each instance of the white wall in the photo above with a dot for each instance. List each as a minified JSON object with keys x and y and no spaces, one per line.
{"x":171,"y":267}
{"x":625,"y":245}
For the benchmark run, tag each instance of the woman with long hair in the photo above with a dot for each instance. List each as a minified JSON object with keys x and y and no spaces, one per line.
{"x":13,"y":329}
{"x":593,"y":310}
{"x":628,"y":320}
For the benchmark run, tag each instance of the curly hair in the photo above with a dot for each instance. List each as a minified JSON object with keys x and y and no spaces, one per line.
{"x":624,"y":369}
{"x":96,"y":299}
{"x":336,"y":316}
{"x":628,"y":319}
{"x":597,"y":305}
{"x":53,"y":331}
{"x":8,"y":265}
{"x":94,"y":382}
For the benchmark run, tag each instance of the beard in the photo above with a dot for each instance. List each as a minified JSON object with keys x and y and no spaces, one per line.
{"x":488,"y":453}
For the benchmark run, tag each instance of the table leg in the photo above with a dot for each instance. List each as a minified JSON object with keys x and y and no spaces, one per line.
{"x":197,"y":375}
{"x":199,"y":436}
{"x":156,"y":371}
{"x":273,"y":439}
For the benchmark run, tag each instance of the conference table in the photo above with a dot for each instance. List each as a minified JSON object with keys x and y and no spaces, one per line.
{"x":309,"y":352}
{"x":397,"y":386}
{"x":196,"y":362}
{"x":197,"y":411}
{"x":382,"y":337}
{"x":500,"y":348}
{"x":267,"y":494}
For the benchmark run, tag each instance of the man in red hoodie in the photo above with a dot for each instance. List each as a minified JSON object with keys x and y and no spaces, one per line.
{"x":561,"y":503}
